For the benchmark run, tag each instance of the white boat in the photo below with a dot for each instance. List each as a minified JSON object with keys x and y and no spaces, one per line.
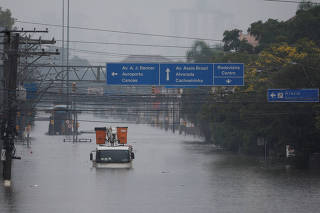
{"x":112,"y":150}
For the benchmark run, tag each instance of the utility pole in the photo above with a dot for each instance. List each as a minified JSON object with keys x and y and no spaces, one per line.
{"x":10,"y":75}
{"x":62,"y":48}
{"x":11,"y":52}
{"x":68,"y":37}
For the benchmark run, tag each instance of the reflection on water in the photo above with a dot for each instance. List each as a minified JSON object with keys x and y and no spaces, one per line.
{"x":243,"y":184}
{"x":8,"y":197}
{"x":171,"y":173}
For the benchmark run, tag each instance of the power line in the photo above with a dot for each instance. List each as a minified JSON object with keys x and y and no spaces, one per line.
{"x":122,"y":32}
{"x":295,"y":2}
{"x":117,"y":54}
{"x":129,"y":44}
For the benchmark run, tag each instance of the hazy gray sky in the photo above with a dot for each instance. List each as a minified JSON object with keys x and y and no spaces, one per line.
{"x":194,"y":18}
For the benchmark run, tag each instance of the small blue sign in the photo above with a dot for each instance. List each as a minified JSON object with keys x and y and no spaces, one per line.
{"x":293,"y":95}
{"x":229,"y":74}
{"x":186,"y":74}
{"x":132,"y":74}
{"x":31,"y":89}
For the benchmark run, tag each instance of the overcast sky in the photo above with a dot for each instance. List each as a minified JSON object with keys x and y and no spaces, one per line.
{"x":192,"y":18}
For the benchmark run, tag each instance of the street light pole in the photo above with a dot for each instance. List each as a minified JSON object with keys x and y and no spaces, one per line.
{"x":68,"y":37}
{"x":62,"y":48}
{"x":62,"y":51}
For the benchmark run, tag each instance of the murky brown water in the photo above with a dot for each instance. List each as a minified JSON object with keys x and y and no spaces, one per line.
{"x":171,"y":173}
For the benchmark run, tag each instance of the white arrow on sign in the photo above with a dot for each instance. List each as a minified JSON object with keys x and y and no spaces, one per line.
{"x":272,"y":95}
{"x":168,"y":72}
{"x":114,"y":74}
{"x":228,"y":81}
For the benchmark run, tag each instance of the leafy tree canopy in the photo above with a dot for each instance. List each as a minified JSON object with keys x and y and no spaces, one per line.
{"x":288,"y":56}
{"x":306,"y":5}
{"x":271,"y":31}
{"x":231,"y":40}
{"x":200,"y":52}
{"x":6,"y":19}
{"x":306,"y":24}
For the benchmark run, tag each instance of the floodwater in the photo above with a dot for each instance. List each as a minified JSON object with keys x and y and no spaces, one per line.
{"x":171,"y":173}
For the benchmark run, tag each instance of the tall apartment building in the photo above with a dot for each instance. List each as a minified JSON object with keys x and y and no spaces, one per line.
{"x":201,"y":21}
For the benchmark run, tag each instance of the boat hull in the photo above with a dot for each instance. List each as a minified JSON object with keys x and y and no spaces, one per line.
{"x":113,"y":165}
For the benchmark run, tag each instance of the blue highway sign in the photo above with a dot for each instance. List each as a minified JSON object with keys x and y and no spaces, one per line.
{"x":178,"y":74}
{"x":186,"y":74}
{"x":132,"y":74}
{"x":228,"y":74}
{"x":293,"y":95}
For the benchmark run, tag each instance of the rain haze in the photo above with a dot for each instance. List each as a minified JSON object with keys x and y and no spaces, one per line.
{"x":152,"y":112}
{"x":190,"y":18}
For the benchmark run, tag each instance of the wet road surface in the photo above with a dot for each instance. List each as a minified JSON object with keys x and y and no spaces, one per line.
{"x":171,"y":173}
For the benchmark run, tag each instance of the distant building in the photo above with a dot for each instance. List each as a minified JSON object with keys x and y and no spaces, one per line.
{"x":201,"y":20}
{"x":250,"y":38}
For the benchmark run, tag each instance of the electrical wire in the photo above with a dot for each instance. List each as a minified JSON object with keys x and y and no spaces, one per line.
{"x":128,"y":44}
{"x":118,"y":54}
{"x":122,"y":32}
{"x":103,"y":53}
{"x":295,"y":2}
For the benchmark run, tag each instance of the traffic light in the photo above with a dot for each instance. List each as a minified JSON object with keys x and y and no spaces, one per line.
{"x":74,"y":86}
{"x":153,"y":89}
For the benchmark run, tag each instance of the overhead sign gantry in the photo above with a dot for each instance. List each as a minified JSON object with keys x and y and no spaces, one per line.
{"x":178,"y":74}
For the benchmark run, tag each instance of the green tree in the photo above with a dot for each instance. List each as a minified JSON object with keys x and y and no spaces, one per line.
{"x":286,"y":66}
{"x":6,"y":19}
{"x":200,"y":52}
{"x":305,"y":5}
{"x":231,"y":40}
{"x":233,"y":43}
{"x":272,"y":31}
{"x":288,"y":57}
{"x":244,"y":46}
{"x":306,"y":24}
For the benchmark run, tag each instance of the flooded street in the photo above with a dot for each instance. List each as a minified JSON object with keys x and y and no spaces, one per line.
{"x":145,"y":106}
{"x":171,"y":173}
